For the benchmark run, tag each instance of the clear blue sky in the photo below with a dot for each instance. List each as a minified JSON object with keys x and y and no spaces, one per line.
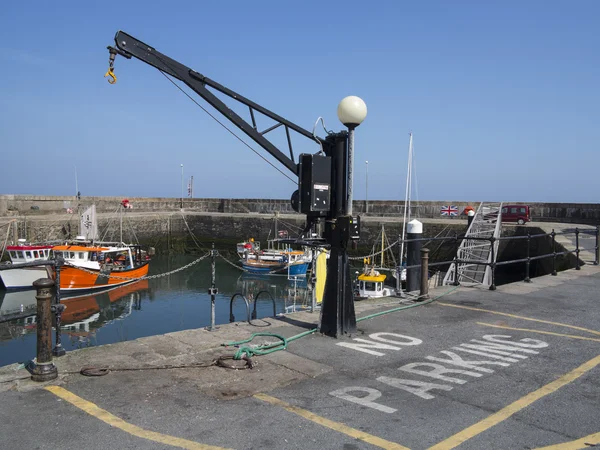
{"x":502,"y":97}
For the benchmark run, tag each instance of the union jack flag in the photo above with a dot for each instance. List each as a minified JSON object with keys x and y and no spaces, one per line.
{"x":451,"y":211}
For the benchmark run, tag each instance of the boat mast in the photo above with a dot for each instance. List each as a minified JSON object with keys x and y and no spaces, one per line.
{"x":407,"y":200}
{"x":382,"y":237}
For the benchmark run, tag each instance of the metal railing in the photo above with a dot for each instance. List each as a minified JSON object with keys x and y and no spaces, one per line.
{"x":494,"y":241}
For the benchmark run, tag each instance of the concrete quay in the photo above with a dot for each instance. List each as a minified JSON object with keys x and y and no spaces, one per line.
{"x":513,"y":368}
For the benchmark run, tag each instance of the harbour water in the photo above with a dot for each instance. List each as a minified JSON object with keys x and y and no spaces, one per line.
{"x":159,"y":305}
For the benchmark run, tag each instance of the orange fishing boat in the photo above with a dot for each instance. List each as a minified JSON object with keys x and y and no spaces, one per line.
{"x":92,"y":267}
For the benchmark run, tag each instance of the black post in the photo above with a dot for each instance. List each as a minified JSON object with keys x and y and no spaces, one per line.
{"x":470,"y":216}
{"x":493,"y":264}
{"x":399,"y":268}
{"x":213,"y":290}
{"x":553,"y":234}
{"x":413,"y":255}
{"x":58,"y":308}
{"x":337,"y":311}
{"x":577,"y":265}
{"x":44,"y":369}
{"x":597,"y":248}
{"x":528,"y":262}
{"x":456,"y":283}
{"x":424,"y":294}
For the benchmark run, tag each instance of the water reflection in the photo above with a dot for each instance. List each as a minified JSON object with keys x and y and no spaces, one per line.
{"x":83,"y":315}
{"x":148,"y":307}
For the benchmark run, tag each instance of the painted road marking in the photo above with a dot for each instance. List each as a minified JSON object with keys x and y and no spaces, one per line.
{"x":520,"y":317}
{"x":117,"y":422}
{"x":497,"y":350}
{"x":381,"y":341}
{"x":585,"y":338}
{"x":336,"y":426}
{"x":516,"y":406}
{"x":585,"y":442}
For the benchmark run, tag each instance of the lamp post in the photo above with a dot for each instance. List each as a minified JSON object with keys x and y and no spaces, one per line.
{"x":338,"y":317}
{"x":367,"y":187}
{"x":182,"y":186}
{"x":351,"y":111}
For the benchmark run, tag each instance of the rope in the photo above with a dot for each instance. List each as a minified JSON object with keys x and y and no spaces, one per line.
{"x":196,"y":241}
{"x":225,"y":126}
{"x":264,"y":349}
{"x":355,"y":258}
{"x":5,"y":242}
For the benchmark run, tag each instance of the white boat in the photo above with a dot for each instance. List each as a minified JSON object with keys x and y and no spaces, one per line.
{"x":23,"y":277}
{"x":370,"y":284}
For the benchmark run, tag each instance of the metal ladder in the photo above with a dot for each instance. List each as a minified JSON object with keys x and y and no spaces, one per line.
{"x":487,"y":223}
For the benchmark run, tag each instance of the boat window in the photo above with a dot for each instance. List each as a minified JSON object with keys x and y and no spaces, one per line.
{"x":362,"y":285}
{"x":72,"y":255}
{"x":13,"y":255}
{"x":370,"y":286}
{"x":47,"y":252}
{"x":81,"y":255}
{"x":28,"y":254}
{"x":378,"y":286}
{"x":36,"y":254}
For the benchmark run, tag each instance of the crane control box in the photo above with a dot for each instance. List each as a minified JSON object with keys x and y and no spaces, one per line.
{"x":314,"y":184}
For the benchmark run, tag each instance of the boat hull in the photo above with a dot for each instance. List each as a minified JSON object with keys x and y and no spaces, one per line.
{"x":263,"y":268}
{"x":298,"y":270}
{"x":73,"y":279}
{"x":21,"y":279}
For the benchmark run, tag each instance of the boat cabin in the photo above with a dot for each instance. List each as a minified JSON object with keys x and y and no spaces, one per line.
{"x":24,"y":252}
{"x":93,"y":257}
{"x":371,"y":285}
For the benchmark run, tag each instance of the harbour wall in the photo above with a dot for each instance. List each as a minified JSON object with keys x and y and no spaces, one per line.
{"x":24,"y":205}
{"x":195,"y":231}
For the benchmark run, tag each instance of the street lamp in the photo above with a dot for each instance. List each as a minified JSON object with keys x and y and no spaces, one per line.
{"x":351,"y":111}
{"x":367,"y":188}
{"x":182,"y":186}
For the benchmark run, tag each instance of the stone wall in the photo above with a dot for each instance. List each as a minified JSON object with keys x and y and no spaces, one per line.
{"x":23,"y":205}
{"x":174,"y":231}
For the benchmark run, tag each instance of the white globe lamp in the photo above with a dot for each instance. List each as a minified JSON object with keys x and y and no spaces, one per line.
{"x":351,"y":111}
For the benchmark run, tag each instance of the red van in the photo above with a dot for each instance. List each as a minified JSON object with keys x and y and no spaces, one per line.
{"x":516,"y":213}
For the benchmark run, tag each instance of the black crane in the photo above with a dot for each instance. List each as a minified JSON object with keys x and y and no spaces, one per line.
{"x":322,"y":180}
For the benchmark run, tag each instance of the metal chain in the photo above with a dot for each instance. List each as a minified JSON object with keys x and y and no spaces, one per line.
{"x":355,"y":258}
{"x":140,"y":278}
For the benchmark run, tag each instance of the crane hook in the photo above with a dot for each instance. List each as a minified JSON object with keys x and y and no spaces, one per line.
{"x":111,"y":74}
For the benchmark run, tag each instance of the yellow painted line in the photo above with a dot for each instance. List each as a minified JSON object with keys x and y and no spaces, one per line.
{"x":572,"y":336}
{"x":585,"y":442}
{"x":516,"y":406}
{"x":116,"y":422}
{"x":558,"y":324}
{"x":336,"y":426}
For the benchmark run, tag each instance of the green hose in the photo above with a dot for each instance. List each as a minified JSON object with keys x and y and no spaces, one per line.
{"x":400,"y":308}
{"x":275,"y":347}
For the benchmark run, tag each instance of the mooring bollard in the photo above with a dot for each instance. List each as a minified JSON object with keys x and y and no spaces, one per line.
{"x":414,"y":232}
{"x":424,"y":294}
{"x":44,"y":369}
{"x":470,"y":216}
